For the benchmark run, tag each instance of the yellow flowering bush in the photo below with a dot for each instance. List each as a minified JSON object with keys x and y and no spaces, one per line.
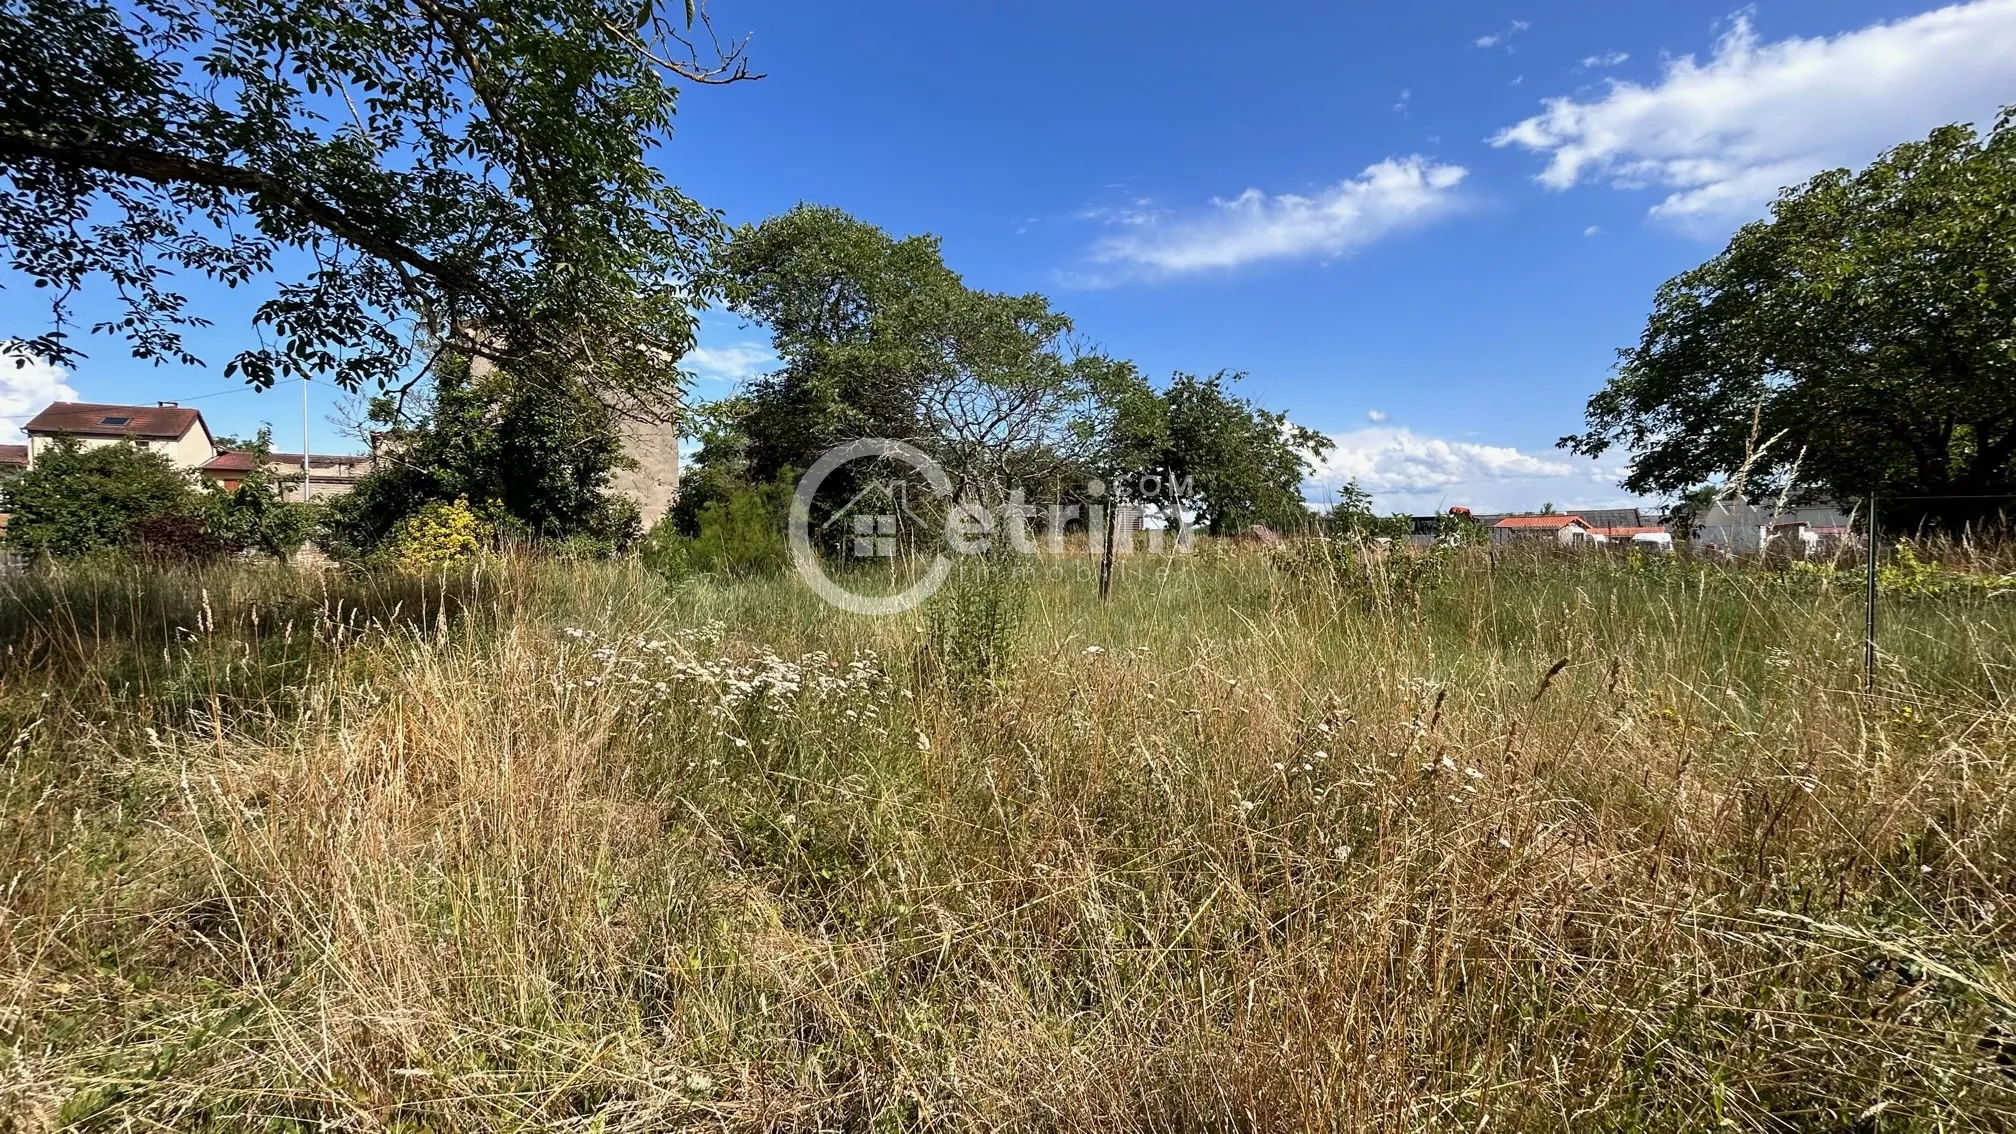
{"x":438,"y":535}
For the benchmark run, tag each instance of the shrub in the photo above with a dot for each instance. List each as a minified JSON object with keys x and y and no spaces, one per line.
{"x":538,"y":462}
{"x":438,"y":535}
{"x":77,"y":501}
{"x":741,"y":535}
{"x":255,"y":516}
{"x":1353,"y":520}
{"x":973,"y":625}
{"x":179,"y":537}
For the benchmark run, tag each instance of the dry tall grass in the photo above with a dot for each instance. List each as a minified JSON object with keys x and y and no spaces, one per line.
{"x":556,"y":847}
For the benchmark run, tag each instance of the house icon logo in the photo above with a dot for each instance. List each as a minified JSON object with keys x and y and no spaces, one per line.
{"x":871,"y":519}
{"x":874,"y":517}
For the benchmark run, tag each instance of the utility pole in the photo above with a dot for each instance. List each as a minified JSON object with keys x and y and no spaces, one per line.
{"x":304,"y":440}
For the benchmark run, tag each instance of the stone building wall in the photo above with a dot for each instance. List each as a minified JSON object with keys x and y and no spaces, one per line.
{"x":654,"y":445}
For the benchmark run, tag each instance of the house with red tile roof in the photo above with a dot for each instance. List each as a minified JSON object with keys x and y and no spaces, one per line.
{"x":181,"y":434}
{"x":1563,"y":530}
{"x":176,"y":431}
{"x":333,"y":475}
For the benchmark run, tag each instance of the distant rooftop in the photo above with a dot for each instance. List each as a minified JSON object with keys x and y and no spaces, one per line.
{"x":1545,"y":523}
{"x":95,"y":419}
{"x":338,"y":466}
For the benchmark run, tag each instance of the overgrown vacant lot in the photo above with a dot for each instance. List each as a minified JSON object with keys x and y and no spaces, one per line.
{"x":559,"y":846}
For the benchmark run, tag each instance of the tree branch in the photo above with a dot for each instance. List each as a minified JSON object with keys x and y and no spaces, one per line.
{"x":162,"y":168}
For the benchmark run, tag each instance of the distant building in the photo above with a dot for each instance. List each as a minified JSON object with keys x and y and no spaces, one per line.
{"x":181,"y":435}
{"x":331,"y":474}
{"x":164,"y":427}
{"x":654,"y":445}
{"x":1627,"y":533}
{"x":1564,"y":530}
{"x":1606,"y":520}
{"x":1738,"y":528}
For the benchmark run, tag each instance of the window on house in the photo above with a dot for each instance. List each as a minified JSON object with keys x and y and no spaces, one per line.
{"x":115,"y":421}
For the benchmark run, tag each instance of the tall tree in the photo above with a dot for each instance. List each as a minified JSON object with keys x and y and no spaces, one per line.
{"x":1232,"y":463}
{"x":469,"y":174}
{"x":879,"y":338}
{"x":1864,"y":336}
{"x":833,"y":292}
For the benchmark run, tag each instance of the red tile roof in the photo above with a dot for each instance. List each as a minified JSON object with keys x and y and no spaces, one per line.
{"x":231,"y":460}
{"x":91,"y":419}
{"x":1627,"y":533}
{"x":1546,"y":522}
{"x":14,"y":455}
{"x":332,"y":466}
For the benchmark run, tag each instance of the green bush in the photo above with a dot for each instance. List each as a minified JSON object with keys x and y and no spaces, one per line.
{"x":256,"y":516}
{"x":77,"y":501}
{"x":973,"y":625}
{"x":536,"y":462}
{"x":741,"y":534}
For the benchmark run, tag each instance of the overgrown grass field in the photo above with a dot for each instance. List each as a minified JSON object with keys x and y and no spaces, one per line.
{"x":1256,"y":846}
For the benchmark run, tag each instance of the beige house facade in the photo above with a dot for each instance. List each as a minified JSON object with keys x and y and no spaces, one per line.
{"x":176,"y":431}
{"x":180,"y":434}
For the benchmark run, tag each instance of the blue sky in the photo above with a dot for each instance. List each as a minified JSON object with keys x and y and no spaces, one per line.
{"x":1423,"y":229}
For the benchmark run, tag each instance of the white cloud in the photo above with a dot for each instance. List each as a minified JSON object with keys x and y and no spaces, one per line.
{"x":1405,"y":470}
{"x":1607,"y":59}
{"x":1498,"y":37}
{"x":1376,"y":417}
{"x":1593,"y":230}
{"x":737,"y":362}
{"x":1394,"y":194}
{"x":1725,"y":135}
{"x":1397,"y":459}
{"x":27,"y":384}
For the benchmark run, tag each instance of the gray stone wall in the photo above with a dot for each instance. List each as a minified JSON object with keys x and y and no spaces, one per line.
{"x":654,"y":445}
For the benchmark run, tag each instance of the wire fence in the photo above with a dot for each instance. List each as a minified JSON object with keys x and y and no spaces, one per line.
{"x":1956,"y":550}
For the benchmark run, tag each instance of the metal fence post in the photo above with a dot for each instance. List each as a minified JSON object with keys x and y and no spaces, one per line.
{"x":1106,"y":555}
{"x":1869,"y":622}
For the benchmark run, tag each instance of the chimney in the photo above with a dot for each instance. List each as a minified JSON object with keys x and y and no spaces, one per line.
{"x":167,"y":405}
